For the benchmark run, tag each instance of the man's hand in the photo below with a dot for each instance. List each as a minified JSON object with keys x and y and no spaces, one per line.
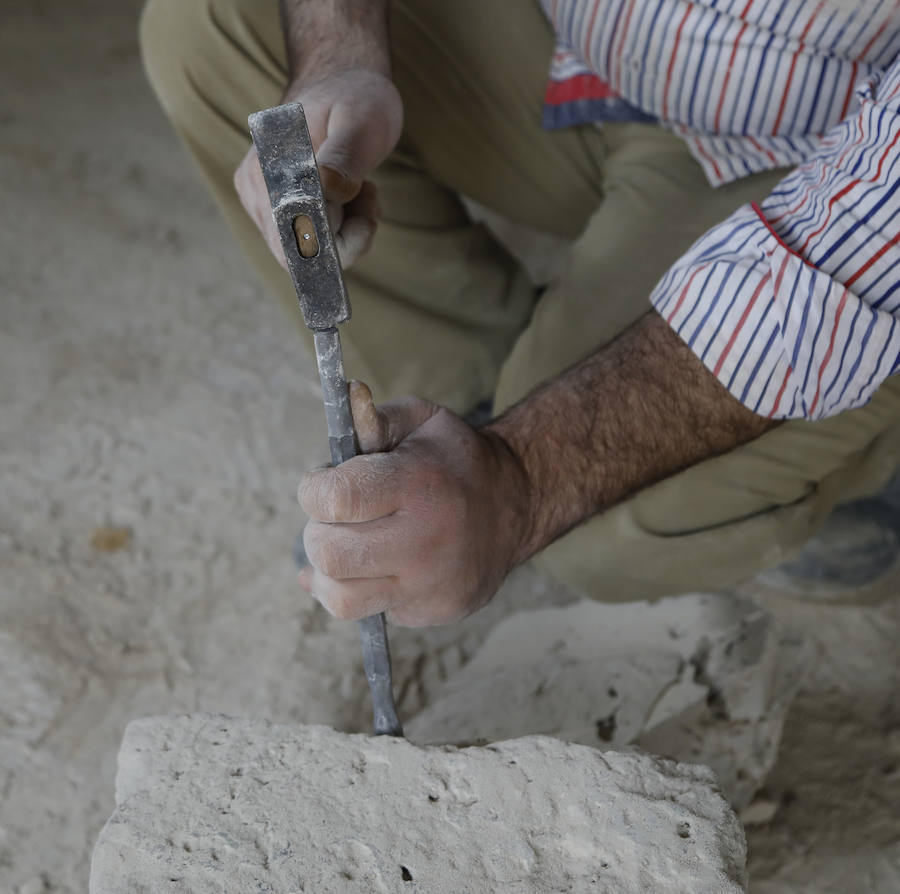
{"x":354,"y":119}
{"x":426,"y":529}
{"x":340,"y":72}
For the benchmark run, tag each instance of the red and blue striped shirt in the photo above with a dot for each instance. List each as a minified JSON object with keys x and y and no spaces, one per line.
{"x":794,"y":303}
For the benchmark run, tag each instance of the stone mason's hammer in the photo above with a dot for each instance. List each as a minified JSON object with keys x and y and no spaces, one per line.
{"x":298,"y":206}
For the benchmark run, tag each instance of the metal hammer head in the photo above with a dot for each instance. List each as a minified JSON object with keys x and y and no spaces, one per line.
{"x":295,"y":191}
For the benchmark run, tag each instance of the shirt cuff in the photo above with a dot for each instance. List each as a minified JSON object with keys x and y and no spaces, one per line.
{"x":785,"y":338}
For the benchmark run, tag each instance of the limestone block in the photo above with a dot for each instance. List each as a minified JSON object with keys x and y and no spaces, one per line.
{"x":210,"y":804}
{"x":700,"y":678}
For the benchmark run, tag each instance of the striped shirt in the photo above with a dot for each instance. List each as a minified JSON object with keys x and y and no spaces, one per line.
{"x":794,"y":304}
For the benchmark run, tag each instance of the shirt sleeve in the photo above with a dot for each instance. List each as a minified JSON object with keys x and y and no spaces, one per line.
{"x":794,"y":304}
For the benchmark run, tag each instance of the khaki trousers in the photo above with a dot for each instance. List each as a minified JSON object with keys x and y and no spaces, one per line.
{"x":440,"y":309}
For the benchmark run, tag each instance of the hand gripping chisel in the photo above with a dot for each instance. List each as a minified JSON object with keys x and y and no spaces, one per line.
{"x":298,"y":206}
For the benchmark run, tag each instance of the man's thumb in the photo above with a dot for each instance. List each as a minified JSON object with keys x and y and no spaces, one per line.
{"x":381,"y":430}
{"x":339,"y":170}
{"x":371,"y":426}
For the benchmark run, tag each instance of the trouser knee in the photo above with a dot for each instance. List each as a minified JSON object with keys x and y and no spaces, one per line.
{"x":178,"y":40}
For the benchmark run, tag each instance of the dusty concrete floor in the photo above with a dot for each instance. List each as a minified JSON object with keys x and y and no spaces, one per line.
{"x":147,"y":383}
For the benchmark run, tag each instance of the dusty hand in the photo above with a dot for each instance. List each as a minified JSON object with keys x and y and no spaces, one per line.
{"x":354,"y":120}
{"x":425,"y":531}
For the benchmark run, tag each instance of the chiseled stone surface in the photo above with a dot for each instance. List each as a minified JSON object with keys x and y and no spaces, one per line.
{"x":210,"y":804}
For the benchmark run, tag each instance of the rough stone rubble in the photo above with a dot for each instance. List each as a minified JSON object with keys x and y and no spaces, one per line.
{"x":701,"y":678}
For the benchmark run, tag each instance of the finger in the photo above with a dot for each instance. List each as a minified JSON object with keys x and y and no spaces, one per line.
{"x":339,"y":182}
{"x":366,"y":204}
{"x":379,"y":431}
{"x":352,"y":600}
{"x":344,"y":157}
{"x":346,"y":551}
{"x":354,"y":239}
{"x":371,"y":426}
{"x":250,"y":186}
{"x":360,"y":220}
{"x":273,"y":238}
{"x":335,"y":213}
{"x":407,"y":614}
{"x":362,"y":489}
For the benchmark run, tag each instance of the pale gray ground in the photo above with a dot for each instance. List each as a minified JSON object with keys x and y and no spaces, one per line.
{"x":147,"y":383}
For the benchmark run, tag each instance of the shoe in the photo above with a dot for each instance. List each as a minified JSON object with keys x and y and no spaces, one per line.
{"x":858,"y":545}
{"x":481,"y":413}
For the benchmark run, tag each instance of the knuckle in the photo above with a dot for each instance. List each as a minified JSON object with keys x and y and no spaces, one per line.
{"x":330,"y":562}
{"x":306,"y":491}
{"x":316,"y":493}
{"x":312,"y":541}
{"x":319,"y":549}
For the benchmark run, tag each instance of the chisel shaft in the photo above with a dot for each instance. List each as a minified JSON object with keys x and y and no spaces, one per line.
{"x":343,"y":445}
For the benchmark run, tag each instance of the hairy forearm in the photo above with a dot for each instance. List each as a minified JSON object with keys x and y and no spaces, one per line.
{"x":323,"y":36}
{"x":637,"y":411}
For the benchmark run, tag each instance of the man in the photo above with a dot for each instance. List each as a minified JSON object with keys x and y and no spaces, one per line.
{"x":636,"y":451}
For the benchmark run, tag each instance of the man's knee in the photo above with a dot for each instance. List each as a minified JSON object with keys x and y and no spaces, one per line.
{"x":212,"y":59}
{"x":171,"y":32}
{"x":193,"y":48}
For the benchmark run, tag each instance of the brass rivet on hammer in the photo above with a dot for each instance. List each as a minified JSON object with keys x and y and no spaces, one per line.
{"x":305,"y":233}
